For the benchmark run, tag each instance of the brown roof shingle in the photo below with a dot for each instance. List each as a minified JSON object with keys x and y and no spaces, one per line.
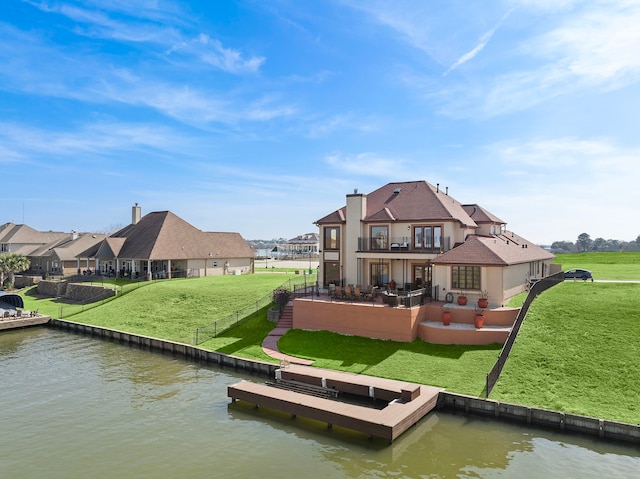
{"x":163,"y":235}
{"x":408,"y":201}
{"x":501,"y":250}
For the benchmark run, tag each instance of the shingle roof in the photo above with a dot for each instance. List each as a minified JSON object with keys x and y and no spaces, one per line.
{"x":307,"y":238}
{"x":162,"y":235}
{"x":499,"y":250}
{"x":23,"y":234}
{"x":481,"y":215}
{"x":71,"y":249}
{"x":408,"y":201}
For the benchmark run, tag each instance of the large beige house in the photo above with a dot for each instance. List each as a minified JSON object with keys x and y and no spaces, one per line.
{"x":163,"y":245}
{"x":415,"y":235}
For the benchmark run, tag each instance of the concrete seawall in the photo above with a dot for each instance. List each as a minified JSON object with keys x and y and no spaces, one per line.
{"x":447,"y":402}
{"x":161,"y":345}
{"x":545,"y":418}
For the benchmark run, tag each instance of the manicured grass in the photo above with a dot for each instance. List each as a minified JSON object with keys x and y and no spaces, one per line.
{"x":245,"y":340}
{"x":173,"y":309}
{"x":625,"y":265}
{"x":457,"y":368}
{"x":578,"y":352}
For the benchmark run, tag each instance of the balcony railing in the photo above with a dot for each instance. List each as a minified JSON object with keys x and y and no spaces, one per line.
{"x":401,"y":245}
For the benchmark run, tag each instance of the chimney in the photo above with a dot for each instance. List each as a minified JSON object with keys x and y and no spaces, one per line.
{"x":74,"y":235}
{"x":135,"y":214}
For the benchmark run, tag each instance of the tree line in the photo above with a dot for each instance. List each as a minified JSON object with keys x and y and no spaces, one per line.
{"x":584,"y":243}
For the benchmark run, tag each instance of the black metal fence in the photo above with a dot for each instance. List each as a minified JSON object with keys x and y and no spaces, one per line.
{"x":535,"y":289}
{"x":235,"y":319}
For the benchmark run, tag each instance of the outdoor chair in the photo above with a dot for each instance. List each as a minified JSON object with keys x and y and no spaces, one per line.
{"x":348,"y":292}
{"x":6,"y":314}
{"x":19,"y":313}
{"x":357,"y":294}
{"x":338,"y":293}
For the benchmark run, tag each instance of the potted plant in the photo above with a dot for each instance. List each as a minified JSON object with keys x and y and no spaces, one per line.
{"x":483,"y":300}
{"x":478,"y":319}
{"x":446,"y":316}
{"x":462,"y":299}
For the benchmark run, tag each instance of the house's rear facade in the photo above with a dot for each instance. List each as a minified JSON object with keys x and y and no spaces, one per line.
{"x":415,"y":235}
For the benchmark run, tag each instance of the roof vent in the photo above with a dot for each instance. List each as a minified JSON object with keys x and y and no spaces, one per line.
{"x":397,"y":190}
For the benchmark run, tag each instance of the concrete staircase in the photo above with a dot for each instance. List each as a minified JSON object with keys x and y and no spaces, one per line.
{"x":286,"y":320}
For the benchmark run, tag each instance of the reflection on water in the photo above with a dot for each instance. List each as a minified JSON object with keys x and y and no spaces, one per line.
{"x":73,"y":406}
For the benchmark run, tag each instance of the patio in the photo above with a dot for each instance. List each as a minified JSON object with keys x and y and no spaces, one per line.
{"x":375,"y":317}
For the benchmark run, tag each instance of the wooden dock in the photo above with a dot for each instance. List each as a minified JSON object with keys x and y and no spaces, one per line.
{"x":23,"y":322}
{"x":407,"y":402}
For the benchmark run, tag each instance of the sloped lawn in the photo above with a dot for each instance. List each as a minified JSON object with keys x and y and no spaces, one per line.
{"x":579,"y":352}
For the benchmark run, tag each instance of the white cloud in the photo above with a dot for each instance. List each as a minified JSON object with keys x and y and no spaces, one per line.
{"x":156,"y":26}
{"x":484,"y":39}
{"x":212,"y":52}
{"x":591,"y":48}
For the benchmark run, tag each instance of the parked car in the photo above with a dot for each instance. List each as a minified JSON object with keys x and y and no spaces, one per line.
{"x":583,"y":274}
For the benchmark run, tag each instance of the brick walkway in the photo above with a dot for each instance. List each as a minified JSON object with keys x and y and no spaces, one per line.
{"x":270,"y":343}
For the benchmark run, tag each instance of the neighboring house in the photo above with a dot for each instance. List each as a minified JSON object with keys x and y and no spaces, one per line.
{"x":60,"y":258}
{"x":22,"y":239}
{"x":414,"y":235}
{"x":302,"y":246}
{"x":162,"y":245}
{"x":49,"y":252}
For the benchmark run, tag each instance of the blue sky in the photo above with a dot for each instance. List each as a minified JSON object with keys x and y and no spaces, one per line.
{"x":260,"y":116}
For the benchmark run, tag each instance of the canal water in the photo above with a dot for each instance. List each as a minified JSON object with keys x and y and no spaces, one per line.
{"x":76,"y":407}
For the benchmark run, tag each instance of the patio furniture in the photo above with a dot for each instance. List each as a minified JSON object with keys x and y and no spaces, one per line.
{"x":357,"y":294}
{"x":338,"y":293}
{"x":348,"y":292}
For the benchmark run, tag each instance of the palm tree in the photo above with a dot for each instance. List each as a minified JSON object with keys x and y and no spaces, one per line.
{"x":10,"y":264}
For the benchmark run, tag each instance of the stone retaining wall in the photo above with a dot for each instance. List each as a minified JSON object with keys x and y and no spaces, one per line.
{"x":54,"y":289}
{"x":87,"y":292}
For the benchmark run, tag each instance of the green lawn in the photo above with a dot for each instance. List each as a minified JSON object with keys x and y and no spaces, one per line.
{"x":578,"y":352}
{"x":458,"y":368}
{"x":623,"y":266}
{"x":172,"y":309}
{"x":245,"y":340}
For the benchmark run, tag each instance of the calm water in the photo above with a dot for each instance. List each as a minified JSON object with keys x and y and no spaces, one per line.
{"x":76,"y":407}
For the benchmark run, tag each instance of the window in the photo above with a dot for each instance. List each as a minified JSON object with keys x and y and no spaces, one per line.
{"x":332,"y":237}
{"x":427,"y":237}
{"x":331,"y":272}
{"x":465,"y":277}
{"x":379,"y":274}
{"x":379,"y":237}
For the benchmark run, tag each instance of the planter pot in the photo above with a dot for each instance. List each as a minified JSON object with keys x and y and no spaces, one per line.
{"x":483,"y":303}
{"x":479,"y":320}
{"x":446,"y":318}
{"x":462,"y":300}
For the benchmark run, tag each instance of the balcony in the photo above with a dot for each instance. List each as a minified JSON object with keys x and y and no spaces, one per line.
{"x":401,"y":245}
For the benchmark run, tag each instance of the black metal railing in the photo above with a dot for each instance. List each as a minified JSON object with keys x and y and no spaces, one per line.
{"x":401,"y":245}
{"x":535,"y":289}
